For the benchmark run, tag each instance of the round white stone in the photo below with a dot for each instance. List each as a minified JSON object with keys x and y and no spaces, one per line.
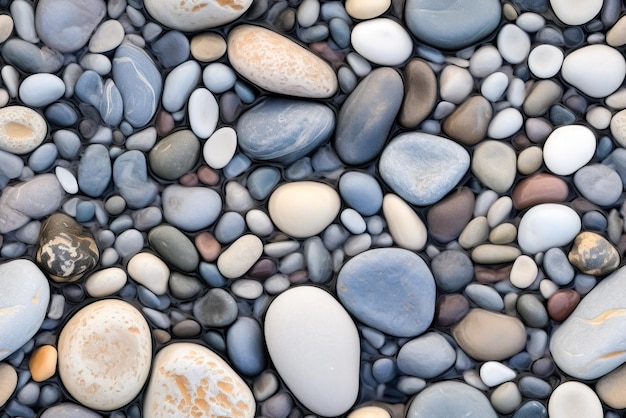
{"x":237,"y":259}
{"x":530,"y":22}
{"x":569,"y":148}
{"x":596,"y":70}
{"x":524,"y":272}
{"x":259,"y":223}
{"x":406,"y":228}
{"x":382,"y":41}
{"x":189,"y":380}
{"x":574,"y":399}
{"x":247,"y":289}
{"x":505,"y":123}
{"x":315,"y":348}
{"x":303,"y":208}
{"x":576,"y":12}
{"x":179,"y":84}
{"x":105,"y":351}
{"x":107,"y":37}
{"x":455,"y":84}
{"x":192,"y":16}
{"x":203,"y":113}
{"x":494,"y":373}
{"x":23,"y":303}
{"x":149,"y":270}
{"x":494,"y":86}
{"x":546,"y":226}
{"x":485,"y":61}
{"x":66,"y":179}
{"x":105,"y":282}
{"x":545,"y":61}
{"x":39,"y":90}
{"x":513,"y":43}
{"x":220,"y":148}
{"x":21,"y":129}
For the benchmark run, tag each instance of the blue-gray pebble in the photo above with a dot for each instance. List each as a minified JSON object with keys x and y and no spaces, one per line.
{"x":426,"y":356}
{"x":390,"y":289}
{"x":362,"y":192}
{"x":61,"y":114}
{"x":246,"y":346}
{"x":318,"y":260}
{"x":94,"y":170}
{"x":171,"y":49}
{"x":531,"y":409}
{"x":229,"y":227}
{"x":450,"y":399}
{"x":30,"y":58}
{"x":130,"y":175}
{"x":262,"y":181}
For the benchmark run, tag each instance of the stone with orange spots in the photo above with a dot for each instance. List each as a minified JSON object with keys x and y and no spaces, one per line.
{"x":195,"y":15}
{"x":278,"y":64}
{"x":189,"y":380}
{"x":104,"y":354}
{"x":43,"y":363}
{"x":21,"y":129}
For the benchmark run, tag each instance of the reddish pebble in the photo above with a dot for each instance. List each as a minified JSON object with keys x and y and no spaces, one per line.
{"x":189,"y":180}
{"x":322,"y":48}
{"x":562,"y":303}
{"x":208,"y":176}
{"x":263,"y":269}
{"x":164,"y":123}
{"x":539,"y":188}
{"x":490,"y":275}
{"x":450,"y":309}
{"x":447,"y":218}
{"x":298,"y":277}
{"x":207,"y":246}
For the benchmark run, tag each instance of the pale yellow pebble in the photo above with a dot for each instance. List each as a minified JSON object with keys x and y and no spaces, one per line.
{"x":366,"y":9}
{"x":509,"y":12}
{"x":406,"y":228}
{"x":6,"y":27}
{"x":475,"y":232}
{"x":8,"y":382}
{"x":503,"y":234}
{"x":529,"y":160}
{"x":43,"y":363}
{"x":207,"y":47}
{"x":611,"y":388}
{"x":369,"y":412}
{"x":616,"y":36}
{"x":599,"y":117}
{"x":495,"y":254}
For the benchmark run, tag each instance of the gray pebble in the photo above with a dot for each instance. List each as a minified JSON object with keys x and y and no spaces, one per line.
{"x":278,"y":406}
{"x":43,"y":157}
{"x":171,"y":49}
{"x":334,"y":236}
{"x":558,"y":267}
{"x":146,"y":218}
{"x":426,"y":356}
{"x":130,"y":175}
{"x":452,"y":270}
{"x":276,"y":284}
{"x":532,"y":311}
{"x":356,"y":244}
{"x":121,"y":223}
{"x":67,"y":142}
{"x":318,"y":260}
{"x":229,"y":227}
{"x":11,"y":165}
{"x":50,"y":395}
{"x":61,"y":114}
{"x":599,"y":183}
{"x":291,"y":263}
{"x":159,"y":319}
{"x":129,"y":243}
{"x":236,"y":166}
{"x":384,"y":370}
{"x":94,"y":170}
{"x":175,"y":247}
{"x":281,"y":248}
{"x":115,"y":205}
{"x":216,"y":308}
{"x":246,"y":346}
{"x":183,"y":286}
{"x":190,"y":208}
{"x":186,"y":329}
{"x":13,"y":249}
{"x":237,"y":197}
{"x":31,"y":59}
{"x":211,"y":275}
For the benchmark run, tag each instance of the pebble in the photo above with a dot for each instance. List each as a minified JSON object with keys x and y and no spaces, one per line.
{"x":246,"y":348}
{"x":190,"y":208}
{"x":405,"y":226}
{"x":423,"y":177}
{"x":459,"y":398}
{"x":8,"y":377}
{"x":593,"y":254}
{"x":455,"y":84}
{"x":105,"y":352}
{"x":43,"y":363}
{"x":571,"y":398}
{"x":447,"y":218}
{"x":610,"y":388}
{"x":240,"y":256}
{"x":40,"y":90}
{"x":426,"y":356}
{"x":599,"y":184}
{"x":189,"y":379}
{"x":513,"y":43}
{"x":130,"y":176}
{"x":368,"y":296}
{"x":546,"y":226}
{"x":361,"y":191}
{"x":150,"y":271}
{"x":580,"y":70}
{"x":303,"y":209}
{"x":506,"y":398}
{"x":193,"y":17}
{"x":174,"y":247}
{"x":108,"y":36}
{"x":420,"y":93}
{"x":371,"y":39}
{"x":539,"y":188}
{"x":281,"y":58}
{"x":217,"y":308}
{"x":545,"y":61}
{"x":300,"y":127}
{"x":524,"y":272}
{"x":568,"y":13}
{"x":468,"y":123}
{"x":21,"y":129}
{"x":314,"y":345}
{"x":174,"y":155}
{"x":105,"y":282}
{"x":494,"y":164}
{"x":207,"y":46}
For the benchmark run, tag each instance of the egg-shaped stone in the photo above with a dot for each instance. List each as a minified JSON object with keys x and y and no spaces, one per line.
{"x":546,"y":226}
{"x":21,"y":129}
{"x":193,"y":15}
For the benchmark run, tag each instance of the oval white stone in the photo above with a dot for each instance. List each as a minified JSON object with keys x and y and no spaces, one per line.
{"x":513,"y":43}
{"x":220,"y":148}
{"x":304,"y":208}
{"x":66,"y":179}
{"x":189,"y":380}
{"x":568,"y":148}
{"x":191,"y":15}
{"x":406,"y":228}
{"x":596,"y":70}
{"x":150,"y":271}
{"x":505,"y":123}
{"x":576,"y":12}
{"x":39,"y":90}
{"x":105,"y":351}
{"x":240,"y":256}
{"x":524,"y":272}
{"x":105,"y":282}
{"x":366,"y":9}
{"x":203,"y":113}
{"x":546,"y":226}
{"x":494,"y":86}
{"x":382,"y":41}
{"x":21,"y":129}
{"x":315,"y":347}
{"x":545,"y":61}
{"x":574,"y":399}
{"x":494,"y":373}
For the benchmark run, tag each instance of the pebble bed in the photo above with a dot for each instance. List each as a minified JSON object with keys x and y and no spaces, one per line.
{"x":366,"y":209}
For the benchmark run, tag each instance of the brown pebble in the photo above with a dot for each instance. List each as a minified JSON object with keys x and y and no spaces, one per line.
{"x":420,"y":93}
{"x":43,"y":363}
{"x":469,"y":122}
{"x":450,"y":309}
{"x":447,"y":218}
{"x":208,"y":247}
{"x":208,"y":176}
{"x":582,"y":205}
{"x":485,"y":274}
{"x":298,"y":277}
{"x":186,"y":328}
{"x":520,"y":142}
{"x":189,"y":180}
{"x":207,"y":47}
{"x":562,"y":303}
{"x":326,"y":52}
{"x":263,"y":269}
{"x":164,"y":123}
{"x":539,"y":188}
{"x":161,"y":336}
{"x":593,"y":254}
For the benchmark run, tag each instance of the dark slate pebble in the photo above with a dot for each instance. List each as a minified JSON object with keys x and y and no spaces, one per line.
{"x":61,"y":114}
{"x":216,"y":308}
{"x":171,"y":49}
{"x":532,"y":311}
{"x":534,"y":388}
{"x":175,"y":247}
{"x":245,"y":345}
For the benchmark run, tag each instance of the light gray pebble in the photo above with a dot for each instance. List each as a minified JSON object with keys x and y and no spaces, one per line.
{"x":484,"y":200}
{"x":11,"y":165}
{"x":278,"y":406}
{"x":23,"y":16}
{"x":485,"y":297}
{"x":599,"y":183}
{"x":43,"y":157}
{"x":171,"y":49}
{"x":315,"y":33}
{"x":338,"y":256}
{"x":452,"y":270}
{"x":532,"y":311}
{"x":558,"y":267}
{"x":67,"y":143}
{"x":537,"y":343}
{"x":50,"y":395}
{"x":318,"y":260}
{"x":216,"y":308}
{"x":179,"y":84}
{"x":151,"y":31}
{"x":299,"y":170}
{"x":191,"y":208}
{"x":347,"y":79}
{"x":357,"y":244}
{"x":142,"y":140}
{"x":334,"y":236}
{"x":94,"y":170}
{"x":11,"y":79}
{"x":247,"y":289}
{"x":291,"y":263}
{"x":99,"y":63}
{"x":375,"y":225}
{"x":121,"y":224}
{"x":13,"y":249}
{"x":130,"y":175}
{"x":30,"y":58}
{"x":276,"y":284}
{"x":359,"y":65}
{"x":40,"y":90}
{"x":245,"y":92}
{"x":373,"y":336}
{"x":105,"y":238}
{"x":109,"y":257}
{"x":281,"y":248}
{"x":353,"y":221}
{"x":148,"y":299}
{"x":534,"y":388}
{"x":264,"y":386}
{"x":262,"y":181}
{"x":136,"y":17}
{"x":129,"y":242}
{"x":237,"y":165}
{"x":259,"y":223}
{"x":332,"y":9}
{"x":410,"y":385}
{"x":229,"y":227}
{"x":115,"y":205}
{"x":183,"y":286}
{"x":57,"y":306}
{"x":147,"y":218}
{"x":237,"y":197}
{"x":159,"y":319}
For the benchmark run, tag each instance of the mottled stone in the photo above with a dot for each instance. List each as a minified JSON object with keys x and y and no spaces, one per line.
{"x":66,"y":250}
{"x":593,"y":254}
{"x":21,"y":129}
{"x":539,"y":188}
{"x":447,"y":218}
{"x":420,"y":93}
{"x":469,"y":122}
{"x":175,"y":155}
{"x":191,"y":16}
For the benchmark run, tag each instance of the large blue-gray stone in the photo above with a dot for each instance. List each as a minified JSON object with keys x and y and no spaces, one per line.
{"x":139,"y":82}
{"x":592,"y":340}
{"x":94,"y":170}
{"x":284,"y":130}
{"x":452,"y":24}
{"x":423,"y":168}
{"x":390,"y":289}
{"x":171,"y":49}
{"x":30,"y":58}
{"x":450,"y":399}
{"x":367,"y":115}
{"x":130,"y":175}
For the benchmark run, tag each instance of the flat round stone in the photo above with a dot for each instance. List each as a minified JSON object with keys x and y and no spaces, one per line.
{"x":21,"y":129}
{"x":574,"y":398}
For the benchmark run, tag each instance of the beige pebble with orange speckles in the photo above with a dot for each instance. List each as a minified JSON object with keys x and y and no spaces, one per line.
{"x":43,"y":363}
{"x":105,"y":353}
{"x":195,"y":15}
{"x":189,"y":380}
{"x":278,"y":64}
{"x":21,"y":129}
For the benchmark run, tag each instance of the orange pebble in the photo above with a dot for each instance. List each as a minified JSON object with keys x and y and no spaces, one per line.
{"x":43,"y":363}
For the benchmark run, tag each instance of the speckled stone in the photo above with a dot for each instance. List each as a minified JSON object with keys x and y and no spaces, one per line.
{"x":593,"y":254}
{"x":66,"y":250}
{"x":191,"y":16}
{"x":21,"y":129}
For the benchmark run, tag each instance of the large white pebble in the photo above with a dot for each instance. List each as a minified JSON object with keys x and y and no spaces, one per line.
{"x":524,"y":272}
{"x":304,"y":208}
{"x":105,"y":282}
{"x":406,"y":228}
{"x":189,"y":380}
{"x":219,"y":149}
{"x":149,"y":270}
{"x":569,"y":148}
{"x":105,"y":351}
{"x":203,"y":113}
{"x":574,"y":399}
{"x":513,"y":43}
{"x":576,"y":12}
{"x":315,"y":348}
{"x":505,"y":123}
{"x":240,"y":256}
{"x":39,"y":90}
{"x":382,"y":41}
{"x":546,"y":226}
{"x":596,"y":70}
{"x":21,"y":129}
{"x":545,"y":61}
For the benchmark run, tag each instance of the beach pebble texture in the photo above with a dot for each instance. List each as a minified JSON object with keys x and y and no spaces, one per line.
{"x":356,"y":208}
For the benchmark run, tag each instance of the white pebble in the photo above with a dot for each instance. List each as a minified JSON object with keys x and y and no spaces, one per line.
{"x":545,"y":61}
{"x":24,"y":16}
{"x":308,"y":13}
{"x":599,"y":117}
{"x":107,"y":37}
{"x":524,"y":272}
{"x":530,"y":22}
{"x":366,"y":9}
{"x":220,"y":148}
{"x":382,"y":41}
{"x":516,"y":93}
{"x":105,"y":282}
{"x":203,"y":113}
{"x":596,"y":70}
{"x":99,"y":63}
{"x":455,"y":84}
{"x":237,"y":259}
{"x":513,"y":44}
{"x":499,"y":211}
{"x":39,"y":90}
{"x":353,"y":221}
{"x":505,"y":123}
{"x":576,"y":12}
{"x":494,"y":86}
{"x":247,"y":289}
{"x":67,"y":180}
{"x":484,"y":61}
{"x":406,"y":228}
{"x":494,"y":373}
{"x":574,"y":399}
{"x":547,"y":288}
{"x":547,"y":225}
{"x":569,"y":148}
{"x":259,"y":223}
{"x":150,"y":271}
